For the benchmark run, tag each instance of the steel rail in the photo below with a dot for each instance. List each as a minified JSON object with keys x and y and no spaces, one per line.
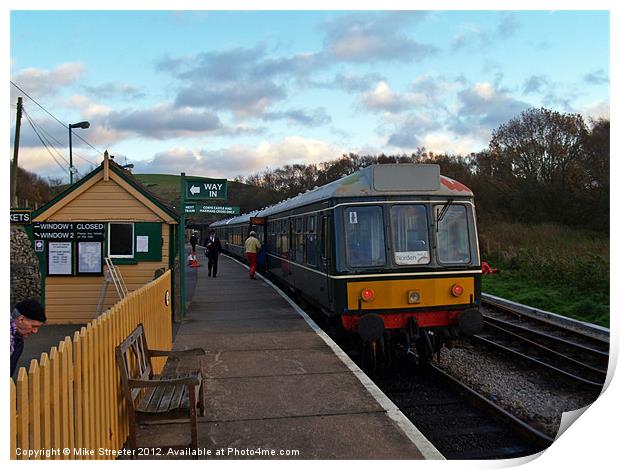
{"x":545,"y":335}
{"x":544,"y":348}
{"x":523,"y":313}
{"x":522,"y":428}
{"x":536,"y":361}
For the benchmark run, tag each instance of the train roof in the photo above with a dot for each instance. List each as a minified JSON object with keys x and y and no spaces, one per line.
{"x":376,"y":180}
{"x":243,"y":218}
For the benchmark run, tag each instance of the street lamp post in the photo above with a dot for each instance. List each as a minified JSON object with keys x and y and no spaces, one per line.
{"x":79,"y":125}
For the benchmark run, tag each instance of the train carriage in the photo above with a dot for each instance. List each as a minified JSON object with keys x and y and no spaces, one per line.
{"x":390,"y":252}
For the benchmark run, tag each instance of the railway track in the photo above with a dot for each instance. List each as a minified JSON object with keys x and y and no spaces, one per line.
{"x":461,"y":423}
{"x":567,"y":349}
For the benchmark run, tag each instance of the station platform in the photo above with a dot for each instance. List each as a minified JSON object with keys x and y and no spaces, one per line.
{"x":277,"y":387}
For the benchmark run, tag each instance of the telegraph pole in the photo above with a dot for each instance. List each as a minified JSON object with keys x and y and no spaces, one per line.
{"x":18,"y":122}
{"x":181,"y":241}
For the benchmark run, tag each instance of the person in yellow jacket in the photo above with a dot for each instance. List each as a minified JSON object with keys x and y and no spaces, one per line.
{"x":252,"y":245}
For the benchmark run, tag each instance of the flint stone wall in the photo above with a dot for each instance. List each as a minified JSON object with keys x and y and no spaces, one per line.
{"x":25,"y":275}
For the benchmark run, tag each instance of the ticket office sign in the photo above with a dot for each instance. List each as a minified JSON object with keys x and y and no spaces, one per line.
{"x":69,"y":231}
{"x":63,"y":242}
{"x":21,"y":216}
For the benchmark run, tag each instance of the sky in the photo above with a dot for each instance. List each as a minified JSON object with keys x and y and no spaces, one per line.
{"x":229,"y":93}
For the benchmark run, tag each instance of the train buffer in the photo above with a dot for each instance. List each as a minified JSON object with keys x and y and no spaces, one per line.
{"x":276,"y":389}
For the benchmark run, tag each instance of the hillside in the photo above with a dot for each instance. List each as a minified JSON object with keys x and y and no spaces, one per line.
{"x":247,"y":197}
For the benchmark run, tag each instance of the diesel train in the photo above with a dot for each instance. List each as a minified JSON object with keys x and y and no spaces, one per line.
{"x":389,"y":253}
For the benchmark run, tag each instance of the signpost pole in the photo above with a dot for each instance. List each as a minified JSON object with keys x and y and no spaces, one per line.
{"x":182,"y":246}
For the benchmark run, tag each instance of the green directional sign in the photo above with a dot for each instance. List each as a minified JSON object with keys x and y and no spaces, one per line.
{"x":200,"y":189}
{"x":208,"y":209}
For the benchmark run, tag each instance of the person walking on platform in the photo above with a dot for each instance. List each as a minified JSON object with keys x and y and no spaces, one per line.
{"x":252,"y":245}
{"x":213,"y":252}
{"x":193,"y":240}
{"x":26,"y":319}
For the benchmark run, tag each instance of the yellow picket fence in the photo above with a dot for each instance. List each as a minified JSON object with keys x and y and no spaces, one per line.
{"x":69,"y":404}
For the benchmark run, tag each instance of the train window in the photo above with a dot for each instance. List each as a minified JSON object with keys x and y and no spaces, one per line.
{"x":271,"y":239}
{"x":311,"y":242}
{"x":410,"y":234}
{"x":298,"y":239}
{"x":284,"y":235}
{"x":365,"y":241}
{"x":453,"y":235}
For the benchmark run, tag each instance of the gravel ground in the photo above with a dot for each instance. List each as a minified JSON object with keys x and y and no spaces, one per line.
{"x":534,"y":395}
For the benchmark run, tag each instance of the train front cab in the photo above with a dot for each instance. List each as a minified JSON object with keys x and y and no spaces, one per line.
{"x":408,"y":271}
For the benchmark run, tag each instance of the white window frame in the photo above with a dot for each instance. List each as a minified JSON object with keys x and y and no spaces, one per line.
{"x":133,"y":240}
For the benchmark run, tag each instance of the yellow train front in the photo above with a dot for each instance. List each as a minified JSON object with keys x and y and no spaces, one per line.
{"x":389,"y":253}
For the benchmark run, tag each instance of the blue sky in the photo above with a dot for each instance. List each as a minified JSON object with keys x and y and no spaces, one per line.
{"x":222,"y":94}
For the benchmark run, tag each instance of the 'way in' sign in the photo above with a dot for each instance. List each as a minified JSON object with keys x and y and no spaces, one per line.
{"x":211,"y":188}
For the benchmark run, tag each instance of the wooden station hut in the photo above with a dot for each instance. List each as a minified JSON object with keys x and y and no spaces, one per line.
{"x":107,"y":214}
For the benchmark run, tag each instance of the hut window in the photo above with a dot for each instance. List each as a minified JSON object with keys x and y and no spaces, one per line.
{"x":120,"y":240}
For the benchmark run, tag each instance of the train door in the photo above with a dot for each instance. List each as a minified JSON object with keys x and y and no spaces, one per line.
{"x":325,"y":261}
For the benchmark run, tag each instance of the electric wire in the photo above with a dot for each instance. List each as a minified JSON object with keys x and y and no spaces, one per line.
{"x":48,"y":138}
{"x":43,"y":142}
{"x":54,"y":117}
{"x":61,"y":144}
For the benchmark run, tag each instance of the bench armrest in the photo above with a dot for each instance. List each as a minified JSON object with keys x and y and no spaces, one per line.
{"x":187,"y":352}
{"x":189,"y":380}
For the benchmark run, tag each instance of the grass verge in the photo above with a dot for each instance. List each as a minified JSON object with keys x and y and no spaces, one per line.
{"x":587,"y":306}
{"x":553,"y":268}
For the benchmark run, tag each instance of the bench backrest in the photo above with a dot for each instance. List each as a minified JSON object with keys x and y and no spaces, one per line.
{"x":134,"y":361}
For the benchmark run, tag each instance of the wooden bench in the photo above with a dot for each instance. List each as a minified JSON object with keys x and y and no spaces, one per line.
{"x":152,"y":398}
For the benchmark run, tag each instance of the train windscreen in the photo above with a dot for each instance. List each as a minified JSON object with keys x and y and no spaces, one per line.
{"x":410,"y":234}
{"x":364,"y":236}
{"x":453,"y":235}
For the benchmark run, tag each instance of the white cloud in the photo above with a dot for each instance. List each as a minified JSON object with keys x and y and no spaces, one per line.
{"x":367,"y":37}
{"x":86,"y":107}
{"x":598,"y":110}
{"x":39,"y":160}
{"x":40,"y":82}
{"x":483,"y":107}
{"x":240,"y":159}
{"x":447,"y":142}
{"x":382,"y":98}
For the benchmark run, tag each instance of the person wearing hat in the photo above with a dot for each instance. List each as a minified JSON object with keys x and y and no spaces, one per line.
{"x":213,"y":248}
{"x":26,"y":319}
{"x":193,"y":240}
{"x":252,"y":245}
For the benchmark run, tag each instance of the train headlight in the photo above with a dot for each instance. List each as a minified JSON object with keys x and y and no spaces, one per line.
{"x":456,"y":290}
{"x":367,"y":294}
{"x":413,"y":296}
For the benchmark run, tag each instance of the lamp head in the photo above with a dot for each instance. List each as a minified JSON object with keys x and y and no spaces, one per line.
{"x":80,"y":125}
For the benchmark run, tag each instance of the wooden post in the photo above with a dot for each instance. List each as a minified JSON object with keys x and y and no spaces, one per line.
{"x":18,"y":122}
{"x":46,"y":402}
{"x":34,"y":395}
{"x":23,"y":435}
{"x":13,"y":425}
{"x":182,"y":246}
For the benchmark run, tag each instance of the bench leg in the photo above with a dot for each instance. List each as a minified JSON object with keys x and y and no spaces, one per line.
{"x":201,"y":398}
{"x":133,"y":442}
{"x":192,"y":416}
